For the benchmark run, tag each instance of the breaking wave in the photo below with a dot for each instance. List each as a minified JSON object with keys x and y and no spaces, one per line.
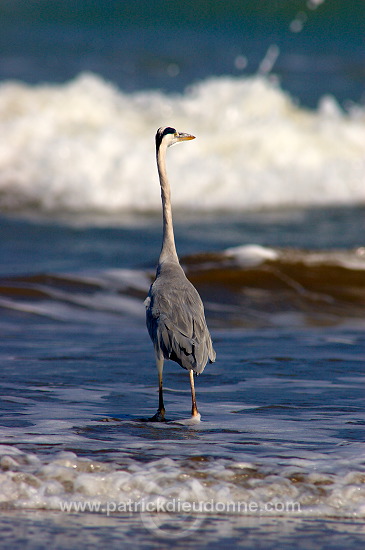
{"x":245,"y":286}
{"x":86,"y":146}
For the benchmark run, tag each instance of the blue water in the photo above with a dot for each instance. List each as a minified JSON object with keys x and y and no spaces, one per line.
{"x":283,"y":407}
{"x":38,"y":245}
{"x":78,"y":377}
{"x":141,"y":45}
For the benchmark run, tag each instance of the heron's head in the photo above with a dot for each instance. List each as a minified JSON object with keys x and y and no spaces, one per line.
{"x":170,"y":136}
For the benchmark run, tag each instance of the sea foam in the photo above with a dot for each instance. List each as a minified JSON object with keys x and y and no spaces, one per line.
{"x":69,"y":483}
{"x":87,"y":146}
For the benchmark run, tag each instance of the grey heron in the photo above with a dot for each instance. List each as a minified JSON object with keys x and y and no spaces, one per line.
{"x":174,"y":310}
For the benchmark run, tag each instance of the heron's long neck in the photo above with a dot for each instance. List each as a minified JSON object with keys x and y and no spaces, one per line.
{"x":168,"y":250}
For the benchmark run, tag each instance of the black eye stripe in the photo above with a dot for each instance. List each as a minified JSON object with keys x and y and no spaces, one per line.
{"x":168,"y":130}
{"x":161,"y":132}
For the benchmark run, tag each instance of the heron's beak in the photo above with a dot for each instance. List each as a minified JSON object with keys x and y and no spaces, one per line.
{"x":184,"y":137}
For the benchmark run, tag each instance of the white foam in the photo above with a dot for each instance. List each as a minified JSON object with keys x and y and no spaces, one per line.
{"x":320,"y":486}
{"x":192,"y":421}
{"x":86,"y":146}
{"x":349,"y":259}
{"x":251,"y":254}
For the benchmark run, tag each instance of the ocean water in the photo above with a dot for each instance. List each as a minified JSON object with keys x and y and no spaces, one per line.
{"x":269,"y":224}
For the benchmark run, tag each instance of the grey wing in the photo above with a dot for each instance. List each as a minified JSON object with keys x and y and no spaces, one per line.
{"x":177,"y":326}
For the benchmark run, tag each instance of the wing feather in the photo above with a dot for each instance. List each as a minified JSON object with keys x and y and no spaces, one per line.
{"x":176,"y":322}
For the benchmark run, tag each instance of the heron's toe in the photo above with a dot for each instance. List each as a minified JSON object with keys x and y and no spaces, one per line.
{"x":158,"y":417}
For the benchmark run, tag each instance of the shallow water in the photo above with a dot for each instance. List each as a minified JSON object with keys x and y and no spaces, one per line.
{"x":282,"y":434}
{"x":282,"y":430}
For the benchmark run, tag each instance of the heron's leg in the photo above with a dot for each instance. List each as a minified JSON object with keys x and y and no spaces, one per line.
{"x":161,"y":408}
{"x":194,"y":408}
{"x":160,"y":415}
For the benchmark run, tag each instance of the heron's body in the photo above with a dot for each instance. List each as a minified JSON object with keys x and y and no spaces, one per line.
{"x":176,"y":321}
{"x":174,"y":310}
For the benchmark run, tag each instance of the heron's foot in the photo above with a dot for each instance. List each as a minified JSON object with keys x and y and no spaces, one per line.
{"x":159,"y":416}
{"x":195,"y":414}
{"x":195,"y":417}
